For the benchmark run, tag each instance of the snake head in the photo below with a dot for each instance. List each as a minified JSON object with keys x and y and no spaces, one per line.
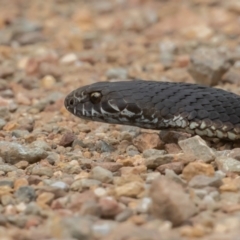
{"x":103,"y":102}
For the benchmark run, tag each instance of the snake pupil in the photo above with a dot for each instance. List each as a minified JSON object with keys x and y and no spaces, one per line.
{"x":95,"y":97}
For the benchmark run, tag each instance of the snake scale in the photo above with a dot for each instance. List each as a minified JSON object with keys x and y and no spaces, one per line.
{"x":192,"y":108}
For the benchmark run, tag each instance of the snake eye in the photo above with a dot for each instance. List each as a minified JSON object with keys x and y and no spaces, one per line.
{"x":95,"y":97}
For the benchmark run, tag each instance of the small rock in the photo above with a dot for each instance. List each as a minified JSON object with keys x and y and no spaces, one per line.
{"x":197,"y":147}
{"x":101,"y":174}
{"x":7,"y":168}
{"x":152,"y":176}
{"x":201,"y":181}
{"x":197,"y":168}
{"x":156,"y":161}
{"x":40,"y":170}
{"x":48,"y":82}
{"x":146,"y":141}
{"x":60,"y":185}
{"x":227,"y":164}
{"x":208,"y":66}
{"x":2,"y":123}
{"x":22,"y":164}
{"x":109,"y":207}
{"x":4,"y":113}
{"x":110,"y":166}
{"x":25,"y":194}
{"x":69,"y":58}
{"x":177,"y":167}
{"x":67,"y":139}
{"x":174,"y":177}
{"x":20,"y":182}
{"x":6,"y":182}
{"x":20,"y":133}
{"x":170,"y":202}
{"x":117,"y":73}
{"x":153,"y":152}
{"x":81,"y":184}
{"x":132,"y":189}
{"x":144,"y":205}
{"x":124,"y":215}
{"x":45,"y":198}
{"x":14,"y":152}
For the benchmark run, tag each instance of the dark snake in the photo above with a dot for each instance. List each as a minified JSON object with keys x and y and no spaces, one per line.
{"x":192,"y":108}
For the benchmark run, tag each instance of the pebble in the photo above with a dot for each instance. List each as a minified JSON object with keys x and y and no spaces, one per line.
{"x":153,"y":152}
{"x":202,"y":181}
{"x":117,"y":73}
{"x":7,"y":168}
{"x":40,"y":170}
{"x":60,"y":185}
{"x":158,"y":160}
{"x":170,"y":202}
{"x":109,"y":207}
{"x":48,"y":82}
{"x":20,"y":133}
{"x":67,"y":139}
{"x":81,"y":184}
{"x":208,"y":66}
{"x":101,"y":174}
{"x":13,"y":152}
{"x":174,"y":177}
{"x":197,"y":147}
{"x":177,"y":167}
{"x":197,"y":168}
{"x":131,"y":189}
{"x":146,"y":141}
{"x":25,"y":194}
{"x":227,"y":164}
{"x":69,"y":58}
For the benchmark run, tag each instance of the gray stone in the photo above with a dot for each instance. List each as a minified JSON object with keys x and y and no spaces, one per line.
{"x":118,"y":73}
{"x":61,"y":185}
{"x":176,"y":178}
{"x":157,"y":160}
{"x":101,"y":174}
{"x":227,"y":164}
{"x":4,"y":112}
{"x":82,"y":184}
{"x":18,"y":133}
{"x":2,"y":123}
{"x":201,"y":181}
{"x":7,"y":182}
{"x":25,"y":194}
{"x":198,"y":148}
{"x":153,"y":152}
{"x":208,"y":66}
{"x":40,"y":170}
{"x":7,"y":168}
{"x":13,"y":152}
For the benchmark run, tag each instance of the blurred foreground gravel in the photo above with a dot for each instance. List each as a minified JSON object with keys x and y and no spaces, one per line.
{"x":65,"y":178}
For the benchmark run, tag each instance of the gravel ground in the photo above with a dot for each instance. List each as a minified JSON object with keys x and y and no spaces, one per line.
{"x":65,"y":178}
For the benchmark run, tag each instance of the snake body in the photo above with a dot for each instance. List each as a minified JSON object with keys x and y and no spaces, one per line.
{"x":196,"y":109}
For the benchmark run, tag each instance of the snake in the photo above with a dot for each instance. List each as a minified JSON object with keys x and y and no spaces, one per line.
{"x":192,"y":108}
